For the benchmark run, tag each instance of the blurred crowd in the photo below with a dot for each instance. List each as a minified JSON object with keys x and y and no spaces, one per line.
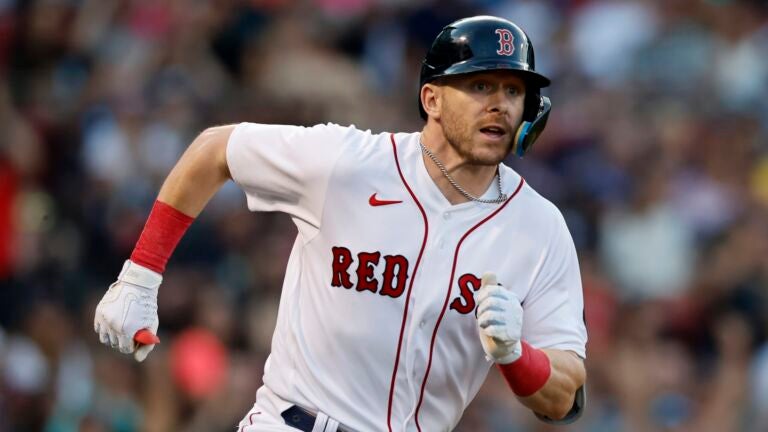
{"x":656,"y":152}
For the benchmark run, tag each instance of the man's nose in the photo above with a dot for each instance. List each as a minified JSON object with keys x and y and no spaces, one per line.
{"x":498,"y":102}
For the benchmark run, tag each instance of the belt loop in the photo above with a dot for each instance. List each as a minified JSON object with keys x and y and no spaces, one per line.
{"x":332,"y":425}
{"x":320,"y":422}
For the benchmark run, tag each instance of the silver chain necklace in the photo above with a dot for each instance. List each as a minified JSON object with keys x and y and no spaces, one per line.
{"x":500,"y":199}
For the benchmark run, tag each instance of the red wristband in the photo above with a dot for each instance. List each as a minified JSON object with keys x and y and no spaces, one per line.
{"x":529,"y":373}
{"x":164,"y":228}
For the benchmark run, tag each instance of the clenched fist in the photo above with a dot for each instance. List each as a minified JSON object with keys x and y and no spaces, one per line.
{"x":129,"y":306}
{"x":499,"y":321}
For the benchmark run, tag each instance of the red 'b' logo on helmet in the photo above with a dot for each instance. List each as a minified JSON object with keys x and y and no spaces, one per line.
{"x":506,"y":42}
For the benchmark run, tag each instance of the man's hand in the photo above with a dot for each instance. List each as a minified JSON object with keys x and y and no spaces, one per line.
{"x":499,"y":321}
{"x":130,"y":305}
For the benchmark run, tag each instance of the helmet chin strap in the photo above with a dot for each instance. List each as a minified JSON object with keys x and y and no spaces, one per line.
{"x":528,"y":131}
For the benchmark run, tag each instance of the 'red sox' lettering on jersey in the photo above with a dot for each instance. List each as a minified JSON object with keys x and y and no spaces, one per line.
{"x":395,"y":274}
{"x":468,"y":284}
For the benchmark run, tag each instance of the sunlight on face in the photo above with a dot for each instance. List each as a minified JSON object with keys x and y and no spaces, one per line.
{"x":480,"y":113}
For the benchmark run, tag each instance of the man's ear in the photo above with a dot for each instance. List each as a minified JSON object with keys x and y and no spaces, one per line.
{"x":431,"y":98}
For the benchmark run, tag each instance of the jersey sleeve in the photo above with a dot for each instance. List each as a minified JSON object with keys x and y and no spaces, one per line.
{"x":553,"y":309}
{"x":286,"y":168}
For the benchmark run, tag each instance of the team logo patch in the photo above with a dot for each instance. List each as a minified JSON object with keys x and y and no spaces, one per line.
{"x":506,"y":42}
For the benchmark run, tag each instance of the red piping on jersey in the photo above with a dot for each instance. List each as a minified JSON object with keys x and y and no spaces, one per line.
{"x":410,"y":284}
{"x":448,"y":296}
{"x":250,"y":420}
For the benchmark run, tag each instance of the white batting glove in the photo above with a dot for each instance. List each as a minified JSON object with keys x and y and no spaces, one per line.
{"x":128,"y":306}
{"x":499,"y":321}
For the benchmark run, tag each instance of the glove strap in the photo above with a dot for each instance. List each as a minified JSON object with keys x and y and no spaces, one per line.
{"x":162,"y":232}
{"x":136,"y":274}
{"x":529,"y":373}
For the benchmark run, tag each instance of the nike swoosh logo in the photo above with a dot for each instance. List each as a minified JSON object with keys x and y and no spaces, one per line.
{"x":375,"y":202}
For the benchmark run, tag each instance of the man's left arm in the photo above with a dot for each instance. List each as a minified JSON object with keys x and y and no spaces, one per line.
{"x":548,"y":381}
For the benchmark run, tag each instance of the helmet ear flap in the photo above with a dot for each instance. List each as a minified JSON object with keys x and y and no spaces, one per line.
{"x":530,"y":130}
{"x":532,"y":103}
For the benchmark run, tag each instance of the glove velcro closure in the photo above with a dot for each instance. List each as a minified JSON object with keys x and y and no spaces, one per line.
{"x":136,"y":274}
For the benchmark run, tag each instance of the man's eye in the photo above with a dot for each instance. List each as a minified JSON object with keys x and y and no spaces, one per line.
{"x":480,"y":86}
{"x":513,"y":91}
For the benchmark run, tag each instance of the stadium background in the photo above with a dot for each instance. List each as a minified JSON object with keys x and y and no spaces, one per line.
{"x":656,"y":152}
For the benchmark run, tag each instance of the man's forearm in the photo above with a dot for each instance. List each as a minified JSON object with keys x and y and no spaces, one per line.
{"x":199,"y":174}
{"x":555,"y":399}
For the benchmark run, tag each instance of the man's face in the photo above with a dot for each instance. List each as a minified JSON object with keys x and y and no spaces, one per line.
{"x":480,"y":113}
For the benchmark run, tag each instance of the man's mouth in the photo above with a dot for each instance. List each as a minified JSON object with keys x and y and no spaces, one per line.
{"x":493,"y":131}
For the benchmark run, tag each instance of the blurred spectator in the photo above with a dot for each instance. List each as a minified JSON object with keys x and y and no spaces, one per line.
{"x":606,"y":37}
{"x":646,"y":247}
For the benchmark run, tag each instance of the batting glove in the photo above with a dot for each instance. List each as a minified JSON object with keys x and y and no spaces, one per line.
{"x":130,"y":305}
{"x":499,"y":321}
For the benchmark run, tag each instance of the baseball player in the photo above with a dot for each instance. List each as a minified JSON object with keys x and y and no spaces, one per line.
{"x":420,"y":261}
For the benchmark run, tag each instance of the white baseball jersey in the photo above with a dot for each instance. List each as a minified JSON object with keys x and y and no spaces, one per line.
{"x":376,"y":325}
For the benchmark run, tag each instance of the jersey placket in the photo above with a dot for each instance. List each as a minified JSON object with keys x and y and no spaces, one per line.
{"x":432,"y":289}
{"x":427,"y":303}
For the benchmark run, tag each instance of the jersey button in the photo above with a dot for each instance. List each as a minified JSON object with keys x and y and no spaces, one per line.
{"x":446,"y":215}
{"x":422,"y":324}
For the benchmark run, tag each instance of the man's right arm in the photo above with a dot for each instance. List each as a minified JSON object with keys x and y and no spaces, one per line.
{"x":128,"y":310}
{"x":200,"y":172}
{"x":294,"y":167}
